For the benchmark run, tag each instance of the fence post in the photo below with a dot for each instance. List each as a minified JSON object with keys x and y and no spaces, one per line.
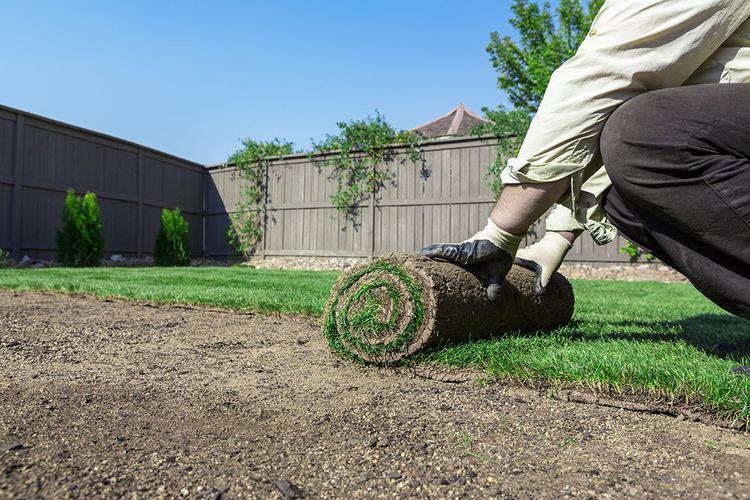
{"x":139,"y":216}
{"x":204,"y":211}
{"x":17,"y":206}
{"x":371,"y":250}
{"x":264,"y":211}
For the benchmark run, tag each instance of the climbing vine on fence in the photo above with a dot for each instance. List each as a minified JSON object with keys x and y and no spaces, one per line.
{"x":357,"y":156}
{"x":247,"y":221}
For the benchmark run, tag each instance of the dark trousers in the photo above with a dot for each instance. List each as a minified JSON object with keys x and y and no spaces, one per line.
{"x":679,"y":160}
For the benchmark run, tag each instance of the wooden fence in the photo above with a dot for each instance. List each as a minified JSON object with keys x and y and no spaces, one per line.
{"x":444,"y":197}
{"x":41,"y":158}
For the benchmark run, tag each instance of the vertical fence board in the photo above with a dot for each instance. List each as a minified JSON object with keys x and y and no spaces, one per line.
{"x":17,"y":207}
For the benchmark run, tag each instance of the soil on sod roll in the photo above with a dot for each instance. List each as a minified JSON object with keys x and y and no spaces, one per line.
{"x":385,"y":311}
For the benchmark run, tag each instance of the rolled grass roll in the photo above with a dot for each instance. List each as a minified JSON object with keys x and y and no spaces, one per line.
{"x":385,"y":311}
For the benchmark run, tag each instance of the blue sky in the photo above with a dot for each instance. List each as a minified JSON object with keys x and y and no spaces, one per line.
{"x":191,"y":78}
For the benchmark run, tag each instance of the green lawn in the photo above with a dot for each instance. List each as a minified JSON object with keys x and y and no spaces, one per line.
{"x":264,"y":290}
{"x":653,"y":337}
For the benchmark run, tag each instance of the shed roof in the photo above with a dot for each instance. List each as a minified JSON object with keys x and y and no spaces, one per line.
{"x":457,"y":122}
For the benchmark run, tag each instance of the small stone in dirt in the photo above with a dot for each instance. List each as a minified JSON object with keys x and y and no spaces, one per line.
{"x":217,"y":493}
{"x":394,"y":475}
{"x":288,"y":489}
{"x":301,"y":341}
{"x":10,"y":447}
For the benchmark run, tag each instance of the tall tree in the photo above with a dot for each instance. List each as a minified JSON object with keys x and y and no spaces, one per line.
{"x":545,"y":41}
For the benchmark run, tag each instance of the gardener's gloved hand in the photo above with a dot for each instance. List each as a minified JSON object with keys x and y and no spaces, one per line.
{"x":544,"y":258}
{"x":491,"y":250}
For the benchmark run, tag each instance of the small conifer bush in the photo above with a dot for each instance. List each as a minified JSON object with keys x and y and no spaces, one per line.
{"x":80,"y":242}
{"x":172,"y":242}
{"x":4,"y":258}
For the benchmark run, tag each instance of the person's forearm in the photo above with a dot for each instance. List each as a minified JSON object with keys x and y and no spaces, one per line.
{"x":520,"y":205}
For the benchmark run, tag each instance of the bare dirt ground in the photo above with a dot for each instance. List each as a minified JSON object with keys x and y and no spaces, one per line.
{"x":110,"y":398}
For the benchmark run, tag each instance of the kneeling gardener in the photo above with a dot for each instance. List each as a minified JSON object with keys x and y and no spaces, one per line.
{"x":647,"y":130}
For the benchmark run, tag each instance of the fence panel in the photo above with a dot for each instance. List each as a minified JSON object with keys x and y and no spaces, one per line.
{"x":221,"y":195}
{"x":443,"y":197}
{"x":40,"y":159}
{"x":301,"y":219}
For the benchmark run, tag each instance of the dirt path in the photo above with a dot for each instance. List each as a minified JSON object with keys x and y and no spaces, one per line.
{"x":112,"y":398}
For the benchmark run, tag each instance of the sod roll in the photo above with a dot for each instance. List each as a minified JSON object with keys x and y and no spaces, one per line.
{"x":386,"y":310}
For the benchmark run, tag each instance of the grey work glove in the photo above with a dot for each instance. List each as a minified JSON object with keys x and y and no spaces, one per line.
{"x":489,"y":251}
{"x":544,"y":258}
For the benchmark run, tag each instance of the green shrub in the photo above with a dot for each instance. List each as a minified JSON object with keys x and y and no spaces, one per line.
{"x":172,"y":242}
{"x":80,"y":242}
{"x":4,"y":258}
{"x":635,"y":252}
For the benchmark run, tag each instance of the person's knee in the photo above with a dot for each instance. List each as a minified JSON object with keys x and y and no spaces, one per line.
{"x":645,"y":132}
{"x":622,"y":140}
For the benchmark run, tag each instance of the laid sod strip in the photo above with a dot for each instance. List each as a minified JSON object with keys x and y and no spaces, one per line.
{"x":262,"y":290}
{"x":654,"y":338}
{"x":642,"y":336}
{"x":385,"y":311}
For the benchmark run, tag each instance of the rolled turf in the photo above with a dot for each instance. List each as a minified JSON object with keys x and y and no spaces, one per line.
{"x":385,"y":311}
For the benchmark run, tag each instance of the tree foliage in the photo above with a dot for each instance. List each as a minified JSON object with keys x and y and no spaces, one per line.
{"x":248,"y":220}
{"x":80,"y":242}
{"x":546,"y":39}
{"x":509,"y":127}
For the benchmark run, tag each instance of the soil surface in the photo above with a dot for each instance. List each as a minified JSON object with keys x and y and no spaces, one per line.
{"x":111,"y":398}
